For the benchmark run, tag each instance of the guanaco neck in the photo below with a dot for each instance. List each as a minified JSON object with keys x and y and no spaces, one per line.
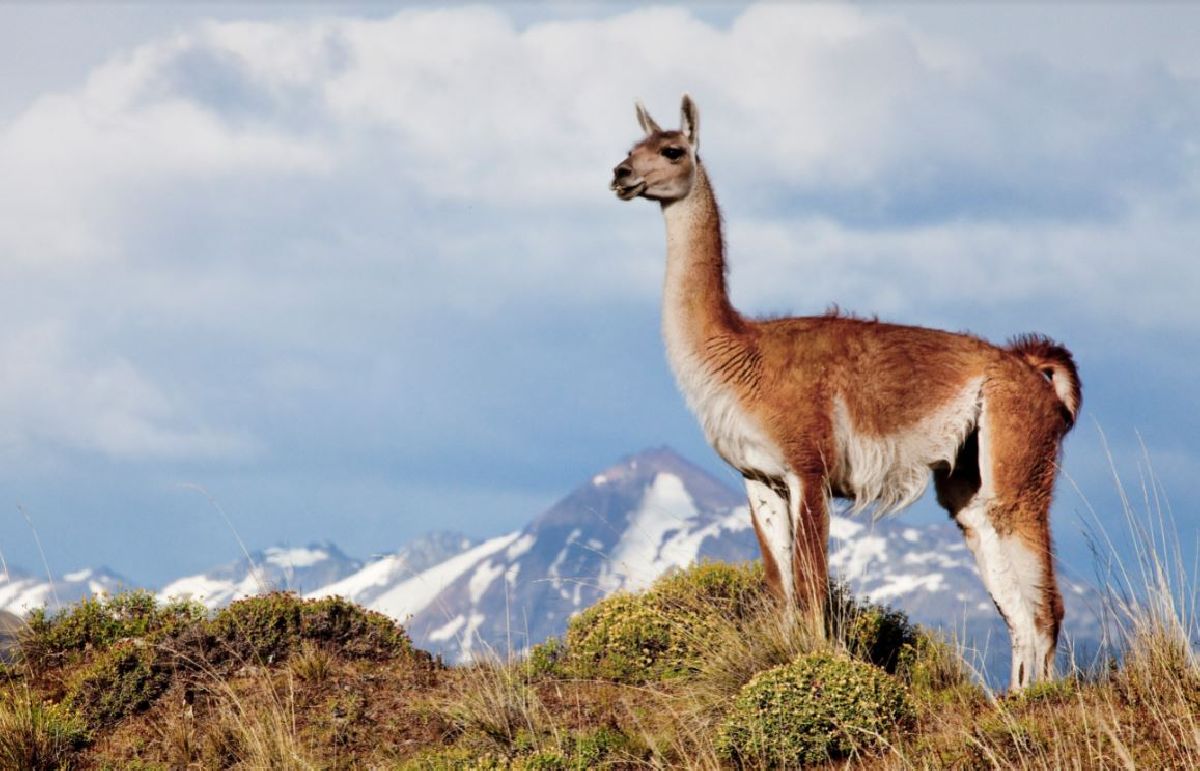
{"x":696,"y":307}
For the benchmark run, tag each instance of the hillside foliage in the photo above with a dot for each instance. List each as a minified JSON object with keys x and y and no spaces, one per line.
{"x":702,"y":669}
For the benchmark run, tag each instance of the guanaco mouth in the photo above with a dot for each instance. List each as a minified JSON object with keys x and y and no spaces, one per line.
{"x":628,"y":192}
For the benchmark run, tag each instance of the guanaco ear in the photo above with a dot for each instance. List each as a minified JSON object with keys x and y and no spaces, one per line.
{"x":689,"y":121}
{"x":645,"y":121}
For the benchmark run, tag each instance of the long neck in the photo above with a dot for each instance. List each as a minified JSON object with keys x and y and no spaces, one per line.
{"x":696,"y":303}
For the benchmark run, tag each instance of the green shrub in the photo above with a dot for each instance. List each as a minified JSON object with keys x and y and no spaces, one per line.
{"x":259,"y":629}
{"x":93,"y":622}
{"x":454,"y":759}
{"x":731,"y":589}
{"x":179,"y":614}
{"x":35,"y":735}
{"x":589,"y":749}
{"x":873,"y":633}
{"x":546,"y":659}
{"x":355,"y":632}
{"x":817,"y":708}
{"x":627,"y":638}
{"x":546,"y":760}
{"x":935,"y":671}
{"x":270,"y":627}
{"x":123,"y":680}
{"x":662,"y":632}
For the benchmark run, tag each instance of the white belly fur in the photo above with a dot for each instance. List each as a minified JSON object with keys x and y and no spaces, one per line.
{"x":893,"y":471}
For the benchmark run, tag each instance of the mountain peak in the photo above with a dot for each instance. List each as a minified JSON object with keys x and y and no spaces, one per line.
{"x":642,"y":468}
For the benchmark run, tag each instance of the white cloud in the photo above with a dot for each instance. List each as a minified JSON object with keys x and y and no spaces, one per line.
{"x":297,"y":191}
{"x":54,"y":395}
{"x":1135,"y":269}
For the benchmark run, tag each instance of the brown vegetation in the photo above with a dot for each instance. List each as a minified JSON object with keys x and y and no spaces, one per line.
{"x":701,"y":670}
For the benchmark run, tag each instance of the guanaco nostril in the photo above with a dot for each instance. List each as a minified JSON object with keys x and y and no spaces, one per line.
{"x":622,"y":171}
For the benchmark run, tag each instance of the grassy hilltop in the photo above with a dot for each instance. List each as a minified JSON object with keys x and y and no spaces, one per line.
{"x":700,"y":670}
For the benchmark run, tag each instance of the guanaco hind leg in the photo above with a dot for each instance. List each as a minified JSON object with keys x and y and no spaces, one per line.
{"x":1002,"y":503}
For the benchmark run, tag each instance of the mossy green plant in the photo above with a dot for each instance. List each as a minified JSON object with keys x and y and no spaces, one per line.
{"x":261,"y":629}
{"x":125,"y":679}
{"x":819,"y":707}
{"x":268,"y":628}
{"x":92,"y":623}
{"x":546,"y":658}
{"x":455,"y":759}
{"x":874,"y":633}
{"x":597,"y":746}
{"x":355,"y":632}
{"x":659,"y":633}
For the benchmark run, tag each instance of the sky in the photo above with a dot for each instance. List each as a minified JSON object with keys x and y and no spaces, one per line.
{"x":353,"y":272}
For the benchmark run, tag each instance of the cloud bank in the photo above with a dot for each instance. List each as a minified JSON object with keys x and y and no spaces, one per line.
{"x":387,"y":245}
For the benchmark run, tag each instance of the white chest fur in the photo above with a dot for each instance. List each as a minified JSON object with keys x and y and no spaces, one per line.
{"x":694,"y":278}
{"x":729,"y":428}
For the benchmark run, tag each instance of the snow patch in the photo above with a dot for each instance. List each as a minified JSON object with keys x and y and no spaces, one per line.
{"x":381,"y":572}
{"x":854,"y":557}
{"x":559,"y":559}
{"x":211,"y":592}
{"x":410,"y":597}
{"x":483,"y":577}
{"x":449,"y":629}
{"x":644,"y":551}
{"x":897,"y":586}
{"x":842,"y":528}
{"x":469,"y":635}
{"x":522,"y":545}
{"x":294,"y":558}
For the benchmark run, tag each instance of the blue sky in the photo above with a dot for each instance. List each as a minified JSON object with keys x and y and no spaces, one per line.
{"x":356,"y":272}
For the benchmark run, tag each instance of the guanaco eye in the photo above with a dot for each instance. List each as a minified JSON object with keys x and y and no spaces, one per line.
{"x":672,"y":153}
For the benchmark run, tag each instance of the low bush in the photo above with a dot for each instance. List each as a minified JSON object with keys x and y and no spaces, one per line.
{"x":268,"y":628}
{"x":355,"y":632}
{"x":817,"y":708}
{"x":93,"y":623}
{"x":546,"y":658}
{"x":588,"y":749}
{"x":260,"y":629}
{"x":874,"y":633}
{"x":660,"y":633}
{"x":125,"y":679}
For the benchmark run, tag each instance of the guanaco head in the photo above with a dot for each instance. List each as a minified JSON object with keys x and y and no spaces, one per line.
{"x":661,"y":166}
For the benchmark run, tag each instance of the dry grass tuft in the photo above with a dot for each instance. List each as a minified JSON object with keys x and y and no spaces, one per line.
{"x":35,"y":735}
{"x":497,"y":702}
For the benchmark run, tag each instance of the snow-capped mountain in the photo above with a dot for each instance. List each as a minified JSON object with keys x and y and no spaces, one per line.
{"x":620,"y":529}
{"x":654,"y":511}
{"x":21,"y":591}
{"x":298,"y":569}
{"x":385,"y":582}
